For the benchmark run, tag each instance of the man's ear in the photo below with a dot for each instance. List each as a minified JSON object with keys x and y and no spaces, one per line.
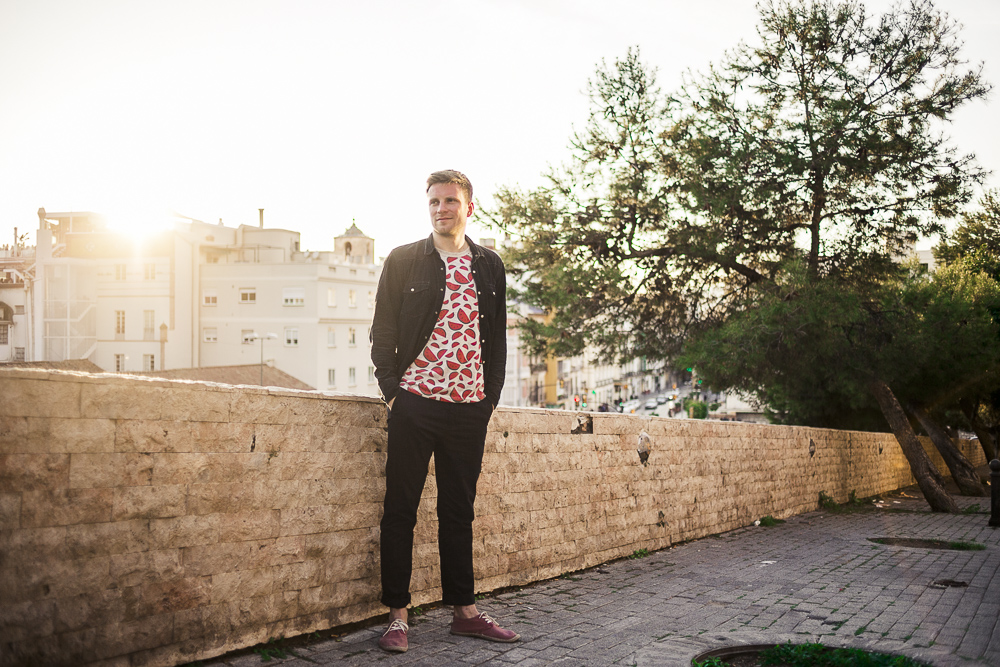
{"x":472,"y":207}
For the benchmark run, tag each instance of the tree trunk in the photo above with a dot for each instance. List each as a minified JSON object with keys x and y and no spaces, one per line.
{"x":927,"y":476}
{"x":962,"y":470}
{"x":970,"y":408}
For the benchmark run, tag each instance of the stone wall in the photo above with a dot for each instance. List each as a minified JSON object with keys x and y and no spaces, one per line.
{"x":154,"y":522}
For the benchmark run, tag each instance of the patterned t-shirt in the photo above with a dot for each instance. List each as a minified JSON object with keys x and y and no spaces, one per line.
{"x":450,"y":367}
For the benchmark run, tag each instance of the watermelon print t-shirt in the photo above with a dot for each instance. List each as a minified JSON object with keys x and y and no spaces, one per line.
{"x":450,"y":367}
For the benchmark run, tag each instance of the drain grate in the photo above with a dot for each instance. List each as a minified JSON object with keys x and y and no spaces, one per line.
{"x":949,"y":583}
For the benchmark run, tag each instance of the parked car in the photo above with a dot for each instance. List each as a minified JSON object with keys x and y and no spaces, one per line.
{"x":651,"y":404}
{"x":661,"y":399}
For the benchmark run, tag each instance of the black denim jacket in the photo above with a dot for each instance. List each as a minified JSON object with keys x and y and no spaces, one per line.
{"x":408,"y":302}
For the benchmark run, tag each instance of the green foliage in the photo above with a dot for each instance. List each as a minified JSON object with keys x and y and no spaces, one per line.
{"x":639,"y":553}
{"x":827,"y":502}
{"x":710,"y":662}
{"x":769,"y":521}
{"x":818,"y":655}
{"x":695,"y":408}
{"x":271,"y":650}
{"x":966,"y":546}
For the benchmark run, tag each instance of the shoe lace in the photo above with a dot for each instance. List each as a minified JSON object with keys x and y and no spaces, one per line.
{"x":486,"y":617}
{"x":397,"y":624}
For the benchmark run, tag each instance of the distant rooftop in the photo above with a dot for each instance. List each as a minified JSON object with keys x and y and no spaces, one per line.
{"x":246,"y":374}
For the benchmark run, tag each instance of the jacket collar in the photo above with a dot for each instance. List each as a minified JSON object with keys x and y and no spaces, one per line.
{"x":477,"y":251}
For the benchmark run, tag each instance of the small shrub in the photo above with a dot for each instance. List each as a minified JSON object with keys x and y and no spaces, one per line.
{"x":639,"y":553}
{"x":770,"y":521}
{"x":827,"y":503}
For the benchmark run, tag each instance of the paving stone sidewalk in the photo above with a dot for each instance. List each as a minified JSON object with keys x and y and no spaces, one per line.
{"x":816,"y":577}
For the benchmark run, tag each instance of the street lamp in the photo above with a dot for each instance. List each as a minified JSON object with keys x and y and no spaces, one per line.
{"x":261,"y":339}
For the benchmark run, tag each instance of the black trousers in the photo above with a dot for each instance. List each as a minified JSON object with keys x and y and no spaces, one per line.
{"x":455,"y":433}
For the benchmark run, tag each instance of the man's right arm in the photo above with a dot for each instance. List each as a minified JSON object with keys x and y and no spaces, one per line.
{"x":385,"y":330}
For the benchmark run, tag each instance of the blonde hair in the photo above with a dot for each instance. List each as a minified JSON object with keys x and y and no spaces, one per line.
{"x":451,"y":176}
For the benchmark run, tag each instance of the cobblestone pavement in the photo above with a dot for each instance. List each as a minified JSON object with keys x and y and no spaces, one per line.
{"x":816,"y":577}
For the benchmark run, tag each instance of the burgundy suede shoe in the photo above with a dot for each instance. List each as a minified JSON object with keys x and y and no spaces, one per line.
{"x":484,"y":627}
{"x":394,"y":639}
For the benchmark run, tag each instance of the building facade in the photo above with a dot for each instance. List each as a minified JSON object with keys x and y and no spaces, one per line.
{"x":202,"y":295}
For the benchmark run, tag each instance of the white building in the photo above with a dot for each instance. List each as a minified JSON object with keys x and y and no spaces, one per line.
{"x":204,"y":295}
{"x":16,"y":263}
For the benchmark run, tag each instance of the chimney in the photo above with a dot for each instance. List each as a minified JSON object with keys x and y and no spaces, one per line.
{"x":261,"y":218}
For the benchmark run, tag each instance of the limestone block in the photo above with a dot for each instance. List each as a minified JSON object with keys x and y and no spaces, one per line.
{"x":145,"y":567}
{"x":10,"y":511}
{"x":23,"y":397}
{"x":185,"y":531}
{"x":154,"y":435}
{"x":14,"y":434}
{"x":63,"y":507}
{"x":161,"y":597}
{"x":278,"y":551}
{"x":225,"y":498}
{"x":262,"y":408}
{"x":89,"y":611}
{"x":323,"y":546}
{"x":249,"y":525}
{"x":40,"y":578}
{"x":25,"y":620}
{"x":216,"y":558}
{"x":51,"y":434}
{"x":197,"y":404}
{"x":241,"y":585}
{"x":118,"y":639}
{"x":209,"y":468}
{"x":33,"y":472}
{"x":110,"y":470}
{"x":104,"y":539}
{"x":352,"y":413}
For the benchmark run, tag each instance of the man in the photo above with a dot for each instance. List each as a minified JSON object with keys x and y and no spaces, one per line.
{"x":439,"y":345}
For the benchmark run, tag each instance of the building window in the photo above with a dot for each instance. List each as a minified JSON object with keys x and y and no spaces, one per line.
{"x":148,"y":362}
{"x":331,"y":297}
{"x":331,"y":337}
{"x":119,"y":322}
{"x":351,"y":379}
{"x":371,"y":374}
{"x":352,"y":298}
{"x":120,"y":272}
{"x":18,"y":354}
{"x":119,"y":363}
{"x":3,"y":335}
{"x":248,"y":295}
{"x":371,"y":299}
{"x":331,"y":377}
{"x":210,"y":297}
{"x":294,"y":296}
{"x":351,"y":336}
{"x":248,"y":336}
{"x":148,"y":325}
{"x":292,"y":336}
{"x":149,"y":272}
{"x":210,"y":334}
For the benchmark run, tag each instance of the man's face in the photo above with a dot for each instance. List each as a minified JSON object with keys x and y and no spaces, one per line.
{"x":449,"y":209}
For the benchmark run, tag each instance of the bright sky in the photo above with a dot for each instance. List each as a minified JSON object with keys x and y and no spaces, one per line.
{"x":325,"y":112}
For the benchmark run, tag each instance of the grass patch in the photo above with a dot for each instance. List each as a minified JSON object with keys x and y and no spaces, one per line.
{"x":639,"y":553}
{"x":972,"y":509}
{"x":770,"y":521}
{"x":817,"y":655}
{"x":966,"y":546}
